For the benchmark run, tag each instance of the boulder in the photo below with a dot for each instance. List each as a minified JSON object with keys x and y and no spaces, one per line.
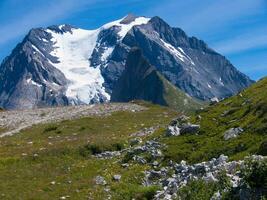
{"x":232,"y":133}
{"x":222,"y":160}
{"x":99,"y":180}
{"x":189,"y":129}
{"x":117,"y":177}
{"x":214,"y":100}
{"x":173,"y":131}
{"x":209,"y":177}
{"x":135,"y":141}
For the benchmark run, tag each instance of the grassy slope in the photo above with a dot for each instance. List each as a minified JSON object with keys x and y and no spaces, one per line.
{"x":247,"y":110}
{"x":178,"y":100}
{"x":25,"y":176}
{"x":59,"y":148}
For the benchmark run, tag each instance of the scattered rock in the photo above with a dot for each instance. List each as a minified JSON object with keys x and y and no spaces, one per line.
{"x":108,"y":154}
{"x":135,"y":141}
{"x":216,"y":196}
{"x":232,"y":133}
{"x":198,"y":117}
{"x":181,"y":126}
{"x":183,"y":173}
{"x":214,"y":100}
{"x":53,"y":183}
{"x":139,"y":160}
{"x":145,"y":131}
{"x":117,"y":177}
{"x":99,"y":180}
{"x":125,"y":165}
{"x":173,"y":131}
{"x":155,"y":163}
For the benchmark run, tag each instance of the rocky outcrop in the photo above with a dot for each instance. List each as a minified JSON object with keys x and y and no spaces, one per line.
{"x":181,"y":126}
{"x":232,"y":133}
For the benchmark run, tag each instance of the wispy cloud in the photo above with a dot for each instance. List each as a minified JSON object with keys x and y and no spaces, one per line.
{"x":43,"y":14}
{"x":242,"y":43}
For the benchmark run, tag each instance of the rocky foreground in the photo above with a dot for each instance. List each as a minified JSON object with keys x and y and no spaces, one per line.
{"x":172,"y":177}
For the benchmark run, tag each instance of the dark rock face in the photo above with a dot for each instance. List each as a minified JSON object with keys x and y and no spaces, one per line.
{"x":26,"y":76}
{"x":139,"y":81}
{"x":186,"y":62}
{"x":29,"y":77}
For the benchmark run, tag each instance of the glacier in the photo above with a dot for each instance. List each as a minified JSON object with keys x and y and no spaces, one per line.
{"x":73,"y":49}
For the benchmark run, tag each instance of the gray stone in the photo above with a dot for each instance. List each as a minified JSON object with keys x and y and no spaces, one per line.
{"x":117,"y":177}
{"x":232,"y":133}
{"x":135,"y":141}
{"x":173,"y":131}
{"x":216,"y":196}
{"x":214,"y":100}
{"x":190,"y":129}
{"x":99,"y":180}
{"x":108,"y":154}
{"x":209,"y":177}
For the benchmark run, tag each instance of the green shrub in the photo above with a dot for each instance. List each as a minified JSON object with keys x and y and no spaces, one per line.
{"x":50,"y":128}
{"x":93,"y":149}
{"x":263,"y":148}
{"x":146,"y":193}
{"x":254,"y":173}
{"x":90,"y":149}
{"x":197,"y":189}
{"x":82,"y":128}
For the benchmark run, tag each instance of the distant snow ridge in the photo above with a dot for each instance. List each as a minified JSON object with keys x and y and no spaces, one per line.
{"x":74,"y":49}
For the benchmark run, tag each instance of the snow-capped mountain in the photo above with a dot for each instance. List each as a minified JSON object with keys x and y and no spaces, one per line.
{"x":62,"y":65}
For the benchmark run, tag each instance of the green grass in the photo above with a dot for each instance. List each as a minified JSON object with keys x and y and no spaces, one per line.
{"x":247,"y":110}
{"x":178,"y":100}
{"x":62,"y":152}
{"x":32,"y":159}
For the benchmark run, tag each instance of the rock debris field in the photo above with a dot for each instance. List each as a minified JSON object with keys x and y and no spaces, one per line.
{"x":16,"y":120}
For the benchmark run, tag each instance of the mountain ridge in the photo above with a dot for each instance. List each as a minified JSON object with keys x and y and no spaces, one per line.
{"x":51,"y":66}
{"x":141,"y":81}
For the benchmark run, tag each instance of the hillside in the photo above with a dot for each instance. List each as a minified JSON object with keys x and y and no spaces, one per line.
{"x":53,"y":160}
{"x":141,"y":81}
{"x":247,"y":111}
{"x":128,"y":154}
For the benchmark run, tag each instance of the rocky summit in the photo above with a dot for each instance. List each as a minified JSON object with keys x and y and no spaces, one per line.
{"x":64,"y":65}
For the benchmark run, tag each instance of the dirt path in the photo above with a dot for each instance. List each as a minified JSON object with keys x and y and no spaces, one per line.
{"x":15,"y":121}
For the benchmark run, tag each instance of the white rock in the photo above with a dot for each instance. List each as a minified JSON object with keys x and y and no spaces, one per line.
{"x":99,"y":180}
{"x":117,"y":177}
{"x":173,"y":131}
{"x":232,"y":133}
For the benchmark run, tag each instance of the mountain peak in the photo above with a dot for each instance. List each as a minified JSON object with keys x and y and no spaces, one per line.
{"x":128,"y":19}
{"x":63,"y":28}
{"x":62,"y":64}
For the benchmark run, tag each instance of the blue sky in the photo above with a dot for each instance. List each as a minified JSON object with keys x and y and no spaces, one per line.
{"x":235,"y":28}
